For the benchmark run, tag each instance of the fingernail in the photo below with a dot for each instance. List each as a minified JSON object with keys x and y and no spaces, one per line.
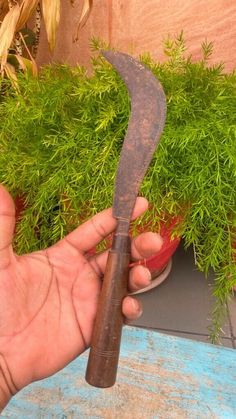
{"x":137,"y":307}
{"x":148,"y":275}
{"x":146,"y":278}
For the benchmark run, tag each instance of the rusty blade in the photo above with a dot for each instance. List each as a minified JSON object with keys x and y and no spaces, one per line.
{"x":146,"y":123}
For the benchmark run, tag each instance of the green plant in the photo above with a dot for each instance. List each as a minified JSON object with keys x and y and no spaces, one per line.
{"x":60,"y":140}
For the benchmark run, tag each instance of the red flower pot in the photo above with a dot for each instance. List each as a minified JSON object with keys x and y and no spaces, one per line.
{"x":169,"y":246}
{"x":161,"y":263}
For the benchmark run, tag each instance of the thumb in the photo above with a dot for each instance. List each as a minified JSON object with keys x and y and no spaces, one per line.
{"x":7,"y":226}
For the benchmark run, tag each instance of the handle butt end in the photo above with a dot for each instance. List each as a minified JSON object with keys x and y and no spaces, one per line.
{"x":101,"y":369}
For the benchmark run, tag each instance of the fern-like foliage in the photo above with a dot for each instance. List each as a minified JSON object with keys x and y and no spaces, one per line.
{"x":61,"y":136}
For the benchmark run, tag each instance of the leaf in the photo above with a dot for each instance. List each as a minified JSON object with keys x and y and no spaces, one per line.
{"x":11,"y":74}
{"x":27,"y":64}
{"x":30,"y":64}
{"x":207,"y":49}
{"x":87,"y":8}
{"x":3,"y":9}
{"x":7,"y":32}
{"x":27,"y":9}
{"x":51,"y":14}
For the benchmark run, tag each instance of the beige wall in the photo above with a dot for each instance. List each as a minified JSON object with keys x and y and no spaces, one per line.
{"x":136,"y":26}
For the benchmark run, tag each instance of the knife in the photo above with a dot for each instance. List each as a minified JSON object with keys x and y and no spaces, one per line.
{"x":146,"y":123}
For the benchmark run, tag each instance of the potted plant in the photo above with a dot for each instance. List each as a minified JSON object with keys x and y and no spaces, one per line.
{"x":60,"y":140}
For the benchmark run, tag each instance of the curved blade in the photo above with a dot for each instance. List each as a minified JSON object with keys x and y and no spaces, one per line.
{"x":146,"y":123}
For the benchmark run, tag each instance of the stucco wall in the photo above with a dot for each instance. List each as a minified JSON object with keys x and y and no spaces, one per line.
{"x":136,"y":26}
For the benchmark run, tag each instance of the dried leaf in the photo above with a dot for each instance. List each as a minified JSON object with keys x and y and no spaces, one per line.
{"x":29,"y":63}
{"x":26,"y":64}
{"x":27,"y":9}
{"x":11,"y":3}
{"x":51,"y":15}
{"x":87,"y":7}
{"x":7,"y":31}
{"x":11,"y":74}
{"x":3,"y":9}
{"x":3,"y":4}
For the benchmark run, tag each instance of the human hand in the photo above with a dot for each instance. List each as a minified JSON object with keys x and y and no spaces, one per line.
{"x":49,"y":298}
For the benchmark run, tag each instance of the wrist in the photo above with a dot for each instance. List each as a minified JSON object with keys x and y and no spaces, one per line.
{"x":4,"y":396}
{"x":7,"y":386}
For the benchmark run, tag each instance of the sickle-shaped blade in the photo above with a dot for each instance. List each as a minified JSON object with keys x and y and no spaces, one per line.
{"x":146,"y":123}
{"x":148,"y":109}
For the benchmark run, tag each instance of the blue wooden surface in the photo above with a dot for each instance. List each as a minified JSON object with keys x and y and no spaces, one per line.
{"x":159,"y":376}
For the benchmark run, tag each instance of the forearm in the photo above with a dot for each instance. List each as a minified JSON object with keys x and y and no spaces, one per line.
{"x":7,"y":386}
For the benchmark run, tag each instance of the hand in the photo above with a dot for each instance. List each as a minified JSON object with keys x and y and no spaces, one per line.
{"x":49,"y":298}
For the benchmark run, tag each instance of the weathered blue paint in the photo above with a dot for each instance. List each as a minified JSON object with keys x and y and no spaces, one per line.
{"x":159,"y":376}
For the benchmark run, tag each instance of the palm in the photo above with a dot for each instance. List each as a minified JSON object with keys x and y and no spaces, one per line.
{"x":48,"y":308}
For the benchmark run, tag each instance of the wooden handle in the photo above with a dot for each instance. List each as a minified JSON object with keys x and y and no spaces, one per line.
{"x":105,"y":346}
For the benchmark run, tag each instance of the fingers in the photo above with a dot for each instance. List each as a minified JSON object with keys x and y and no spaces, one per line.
{"x":7,"y":226}
{"x":146,"y":245}
{"x":89,"y":234}
{"x":139,"y":277}
{"x":132,"y":308}
{"x":142,"y":247}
